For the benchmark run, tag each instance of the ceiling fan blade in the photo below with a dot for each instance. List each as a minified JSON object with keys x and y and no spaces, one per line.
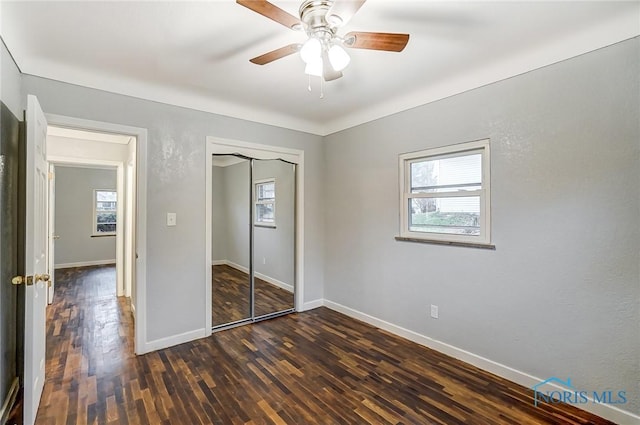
{"x":276,"y":54}
{"x":376,"y":41}
{"x":271,"y":11}
{"x":328,"y":73}
{"x":344,"y":10}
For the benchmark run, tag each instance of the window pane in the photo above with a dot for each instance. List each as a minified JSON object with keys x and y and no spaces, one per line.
{"x":264,"y":213}
{"x":105,"y":218}
{"x":105,"y":206}
{"x":107,"y":196}
{"x":447,"y":174}
{"x":458,"y":215}
{"x":106,"y":228}
{"x":266,"y":191}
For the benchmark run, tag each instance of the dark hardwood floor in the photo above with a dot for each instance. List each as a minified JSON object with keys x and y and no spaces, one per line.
{"x":230,"y":296}
{"x":317,"y":367}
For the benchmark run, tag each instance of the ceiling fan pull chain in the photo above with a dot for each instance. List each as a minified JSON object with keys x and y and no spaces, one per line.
{"x":309,"y":86}
{"x":321,"y":87}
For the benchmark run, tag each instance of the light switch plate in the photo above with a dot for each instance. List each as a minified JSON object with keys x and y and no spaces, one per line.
{"x":434,"y":311}
{"x":171,"y":219}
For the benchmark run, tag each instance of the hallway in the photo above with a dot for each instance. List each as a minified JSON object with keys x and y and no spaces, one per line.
{"x":89,"y":347}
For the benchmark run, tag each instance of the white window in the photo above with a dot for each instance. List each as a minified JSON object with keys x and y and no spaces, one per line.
{"x":105,"y":204}
{"x":265,"y":202}
{"x":444,"y":194}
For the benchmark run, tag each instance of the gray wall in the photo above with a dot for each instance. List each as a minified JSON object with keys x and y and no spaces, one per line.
{"x":233,"y":200}
{"x":74,"y":215}
{"x":11,"y":296}
{"x":10,"y":83}
{"x":560,"y":295}
{"x":274,"y":254}
{"x":230,"y":227}
{"x":218,"y":215}
{"x":176,"y":183}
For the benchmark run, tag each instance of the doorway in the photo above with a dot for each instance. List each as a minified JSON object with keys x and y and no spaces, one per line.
{"x":74,"y":143}
{"x":254,"y":216}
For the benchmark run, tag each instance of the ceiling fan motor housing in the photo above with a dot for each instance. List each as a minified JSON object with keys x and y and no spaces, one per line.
{"x":313,"y":13}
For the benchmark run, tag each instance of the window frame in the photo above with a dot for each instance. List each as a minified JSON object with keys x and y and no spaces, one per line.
{"x":404,"y":166}
{"x":94,"y":231}
{"x":256,"y":202}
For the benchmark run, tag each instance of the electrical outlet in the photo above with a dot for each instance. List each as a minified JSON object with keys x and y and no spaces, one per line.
{"x":434,"y":311}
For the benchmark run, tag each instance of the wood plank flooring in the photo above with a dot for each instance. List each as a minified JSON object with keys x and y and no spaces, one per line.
{"x":230,"y":296}
{"x":317,"y":367}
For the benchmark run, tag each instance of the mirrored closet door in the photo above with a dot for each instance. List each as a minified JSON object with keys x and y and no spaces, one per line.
{"x":253,"y":239}
{"x":273,"y":236}
{"x":231,"y":285}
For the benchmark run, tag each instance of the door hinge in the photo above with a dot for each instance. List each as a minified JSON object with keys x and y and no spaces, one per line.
{"x":51,"y":175}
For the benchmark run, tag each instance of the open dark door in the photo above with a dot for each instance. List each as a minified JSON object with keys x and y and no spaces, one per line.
{"x":11,"y":313}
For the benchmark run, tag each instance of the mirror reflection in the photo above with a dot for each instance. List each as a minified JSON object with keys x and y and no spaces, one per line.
{"x":274,"y":237}
{"x":253,"y":238}
{"x":231,"y":290}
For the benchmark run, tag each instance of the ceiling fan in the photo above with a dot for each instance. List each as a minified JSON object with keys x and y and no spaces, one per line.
{"x":323,"y":52}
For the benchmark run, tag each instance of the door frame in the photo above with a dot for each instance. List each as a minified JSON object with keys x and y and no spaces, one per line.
{"x":140,"y":252}
{"x":216,"y":145}
{"x":51,"y":217}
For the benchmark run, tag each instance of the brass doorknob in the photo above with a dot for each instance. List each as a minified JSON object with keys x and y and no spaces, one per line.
{"x":19,"y":280}
{"x":43,"y":277}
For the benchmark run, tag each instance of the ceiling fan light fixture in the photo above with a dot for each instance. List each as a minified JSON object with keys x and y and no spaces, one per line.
{"x":311,"y":50}
{"x":338,"y":57}
{"x":314,"y":67}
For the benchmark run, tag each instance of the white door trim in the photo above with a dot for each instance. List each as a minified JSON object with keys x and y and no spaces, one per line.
{"x":217,"y":145}
{"x":140,"y":324}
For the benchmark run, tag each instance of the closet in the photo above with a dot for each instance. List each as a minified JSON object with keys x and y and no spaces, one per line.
{"x":253,"y":239}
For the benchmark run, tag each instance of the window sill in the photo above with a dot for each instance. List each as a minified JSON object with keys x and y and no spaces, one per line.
{"x":267,"y":226}
{"x":103,"y":235}
{"x":450,"y":243}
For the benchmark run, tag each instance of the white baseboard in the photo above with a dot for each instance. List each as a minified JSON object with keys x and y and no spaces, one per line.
{"x":170,"y":341}
{"x":606,"y":411}
{"x":310,"y":305}
{"x":271,"y":280}
{"x":275,"y":282}
{"x":84,"y":264}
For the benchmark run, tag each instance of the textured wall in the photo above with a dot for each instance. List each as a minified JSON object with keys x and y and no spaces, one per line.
{"x":560,"y":295}
{"x":273,"y":247}
{"x":235,"y":202}
{"x":218,"y":216}
{"x":10,"y":83}
{"x":10,"y":141}
{"x":74,"y":215}
{"x":176,"y":183}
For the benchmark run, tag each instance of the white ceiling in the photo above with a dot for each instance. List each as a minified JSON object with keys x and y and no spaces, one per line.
{"x":196,"y":54}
